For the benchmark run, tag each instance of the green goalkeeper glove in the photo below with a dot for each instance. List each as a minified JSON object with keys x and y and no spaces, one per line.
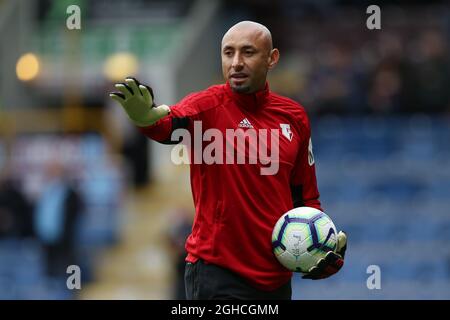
{"x":332,"y":262}
{"x":138,"y":102}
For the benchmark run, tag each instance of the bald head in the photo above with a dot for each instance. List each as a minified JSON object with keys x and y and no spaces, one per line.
{"x":255,"y":29}
{"x":247,"y":56}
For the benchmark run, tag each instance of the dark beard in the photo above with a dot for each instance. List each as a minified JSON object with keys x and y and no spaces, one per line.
{"x":241,"y":89}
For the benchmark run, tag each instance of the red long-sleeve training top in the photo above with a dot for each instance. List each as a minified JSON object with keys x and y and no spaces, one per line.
{"x":236,"y":206}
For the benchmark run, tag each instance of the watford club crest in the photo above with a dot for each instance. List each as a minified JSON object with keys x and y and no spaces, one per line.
{"x":286,"y":131}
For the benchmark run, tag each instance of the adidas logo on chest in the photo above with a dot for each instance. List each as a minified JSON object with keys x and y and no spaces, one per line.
{"x":245,"y":124}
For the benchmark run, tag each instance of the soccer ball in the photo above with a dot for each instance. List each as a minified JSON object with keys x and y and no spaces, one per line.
{"x":301,"y":237}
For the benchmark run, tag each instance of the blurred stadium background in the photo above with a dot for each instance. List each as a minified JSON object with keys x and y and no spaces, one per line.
{"x":378,"y":101}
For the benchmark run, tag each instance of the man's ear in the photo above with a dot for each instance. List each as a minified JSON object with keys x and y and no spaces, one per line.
{"x":274,"y":57}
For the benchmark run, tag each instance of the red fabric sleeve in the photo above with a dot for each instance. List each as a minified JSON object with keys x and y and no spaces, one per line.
{"x":160,"y":131}
{"x":189,"y":107}
{"x":304,"y":172}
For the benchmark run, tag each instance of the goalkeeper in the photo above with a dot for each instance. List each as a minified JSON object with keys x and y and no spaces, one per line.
{"x":229,"y":249}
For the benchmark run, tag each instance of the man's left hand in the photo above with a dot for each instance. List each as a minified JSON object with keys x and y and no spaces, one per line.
{"x":332,"y":262}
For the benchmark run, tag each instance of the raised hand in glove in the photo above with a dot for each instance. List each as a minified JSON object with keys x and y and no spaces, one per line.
{"x":332,"y":262}
{"x":138,"y":102}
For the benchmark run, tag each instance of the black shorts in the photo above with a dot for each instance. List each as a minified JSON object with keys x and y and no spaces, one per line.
{"x":208,"y":281}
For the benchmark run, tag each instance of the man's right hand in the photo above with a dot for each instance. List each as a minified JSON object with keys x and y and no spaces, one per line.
{"x":137,"y":101}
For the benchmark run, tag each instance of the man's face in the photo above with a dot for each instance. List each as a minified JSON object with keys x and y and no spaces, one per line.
{"x":246,"y":59}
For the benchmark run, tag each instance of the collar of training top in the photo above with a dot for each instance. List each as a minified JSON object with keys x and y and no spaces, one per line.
{"x":251,"y":101}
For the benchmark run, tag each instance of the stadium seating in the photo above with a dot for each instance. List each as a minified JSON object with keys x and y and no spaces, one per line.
{"x":386,"y":182}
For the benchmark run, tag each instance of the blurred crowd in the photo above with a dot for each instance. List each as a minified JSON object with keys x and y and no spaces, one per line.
{"x":60,"y":199}
{"x":51,"y":218}
{"x":393,"y":74}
